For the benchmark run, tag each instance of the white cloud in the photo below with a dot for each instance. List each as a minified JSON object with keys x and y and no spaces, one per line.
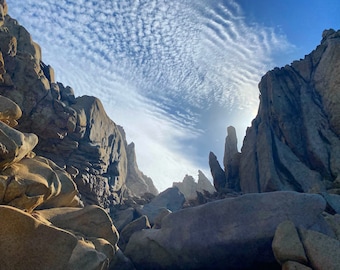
{"x":160,"y":68}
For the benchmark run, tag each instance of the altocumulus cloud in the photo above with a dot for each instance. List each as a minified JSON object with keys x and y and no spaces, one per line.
{"x":173,"y":73}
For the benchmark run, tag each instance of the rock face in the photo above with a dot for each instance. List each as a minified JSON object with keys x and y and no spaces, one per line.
{"x":293,"y":143}
{"x":217,"y":173}
{"x":189,"y":188}
{"x":66,"y":235}
{"x":217,"y":236}
{"x":171,"y":199}
{"x":308,"y":248}
{"x":231,"y":160}
{"x":74,"y":132}
{"x":136,"y":181}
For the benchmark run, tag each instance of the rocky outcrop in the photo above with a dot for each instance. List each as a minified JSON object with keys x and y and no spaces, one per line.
{"x":233,"y":233}
{"x":293,"y":143}
{"x":41,"y":213}
{"x":74,"y":132}
{"x":217,"y":173}
{"x":171,"y":199}
{"x":189,"y":187}
{"x":231,"y":160}
{"x":136,"y":181}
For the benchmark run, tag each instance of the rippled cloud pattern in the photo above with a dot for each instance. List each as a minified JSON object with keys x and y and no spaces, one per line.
{"x":173,"y":73}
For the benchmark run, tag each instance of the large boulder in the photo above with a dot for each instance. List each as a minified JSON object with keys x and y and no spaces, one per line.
{"x":27,"y":243}
{"x":171,"y":199}
{"x":234,"y":233}
{"x":26,"y":239}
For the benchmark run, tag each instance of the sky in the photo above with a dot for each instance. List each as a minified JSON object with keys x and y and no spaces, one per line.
{"x":175,"y":74}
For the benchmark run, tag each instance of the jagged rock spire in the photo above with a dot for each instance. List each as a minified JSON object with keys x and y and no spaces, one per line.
{"x":231,"y":159}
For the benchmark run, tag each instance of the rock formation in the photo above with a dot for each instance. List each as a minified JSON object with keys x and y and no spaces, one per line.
{"x":74,"y":132}
{"x":189,"y":188}
{"x":65,"y":166}
{"x":293,"y":143}
{"x":136,"y":181}
{"x":41,"y":213}
{"x":217,"y":236}
{"x":231,"y":160}
{"x":217,"y":173}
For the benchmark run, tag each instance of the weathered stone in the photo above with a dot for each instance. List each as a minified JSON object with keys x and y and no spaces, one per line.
{"x":123,"y":217}
{"x":290,"y":265}
{"x":121,"y":262}
{"x":14,"y":145}
{"x":333,"y":201}
{"x":217,"y":172}
{"x":25,"y":241}
{"x":32,"y":182}
{"x":287,"y":245}
{"x":159,"y":218}
{"x":293,"y":143}
{"x":334,"y":223}
{"x":9,"y":111}
{"x":188,"y":187}
{"x":91,"y":221}
{"x":204,"y":184}
{"x":237,"y":232}
{"x":86,"y":257}
{"x":231,"y":160}
{"x":171,"y":199}
{"x":136,"y":181}
{"x":135,"y":226}
{"x":323,"y":251}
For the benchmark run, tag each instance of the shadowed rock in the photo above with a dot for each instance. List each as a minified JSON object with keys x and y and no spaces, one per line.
{"x":217,"y":173}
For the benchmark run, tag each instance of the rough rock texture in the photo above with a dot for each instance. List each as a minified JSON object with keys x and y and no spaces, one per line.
{"x":66,"y":235}
{"x":231,"y":160}
{"x":217,"y":236}
{"x":189,"y":188}
{"x":204,"y":184}
{"x":322,"y":250}
{"x":287,"y":245}
{"x":301,"y":248}
{"x":171,"y":199}
{"x":293,"y":143}
{"x":136,"y":181}
{"x":217,"y":173}
{"x":24,"y":240}
{"x":74,"y":132}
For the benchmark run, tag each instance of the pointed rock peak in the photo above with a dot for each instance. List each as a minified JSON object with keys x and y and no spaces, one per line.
{"x":217,"y":173}
{"x":204,"y":183}
{"x":131,"y":145}
{"x":328,"y":33}
{"x":231,"y":141}
{"x":188,"y":179}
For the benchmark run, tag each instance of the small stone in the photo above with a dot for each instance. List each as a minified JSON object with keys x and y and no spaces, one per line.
{"x":287,"y":245}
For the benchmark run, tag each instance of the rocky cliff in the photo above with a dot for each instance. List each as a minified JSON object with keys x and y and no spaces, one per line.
{"x":61,"y":157}
{"x":293,"y":143}
{"x":74,"y":132}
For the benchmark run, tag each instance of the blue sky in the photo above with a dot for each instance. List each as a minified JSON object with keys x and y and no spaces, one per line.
{"x":175,"y":73}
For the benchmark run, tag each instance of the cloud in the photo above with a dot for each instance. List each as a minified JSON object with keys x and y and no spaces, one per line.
{"x":173,"y":73}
